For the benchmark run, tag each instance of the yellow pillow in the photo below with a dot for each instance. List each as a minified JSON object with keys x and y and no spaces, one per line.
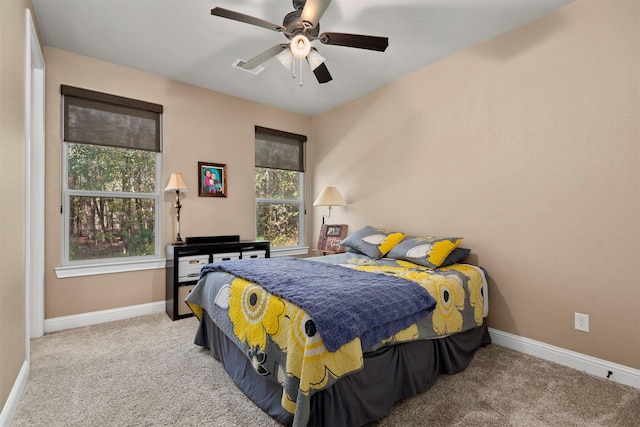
{"x":373,"y":242}
{"x":427,"y":251}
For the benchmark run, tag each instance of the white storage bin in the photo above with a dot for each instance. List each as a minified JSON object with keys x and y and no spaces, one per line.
{"x":189,"y":267}
{"x":254,"y":254}
{"x":183,"y":291}
{"x":229,"y":256}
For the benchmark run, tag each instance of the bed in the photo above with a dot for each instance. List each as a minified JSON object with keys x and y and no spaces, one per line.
{"x":339,"y":339}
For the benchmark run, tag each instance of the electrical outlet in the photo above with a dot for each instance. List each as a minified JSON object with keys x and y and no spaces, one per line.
{"x":582,"y":322}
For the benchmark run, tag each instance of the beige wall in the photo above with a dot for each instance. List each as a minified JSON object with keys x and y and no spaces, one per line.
{"x":528,"y":147}
{"x":13,"y":183}
{"x":198,"y":125}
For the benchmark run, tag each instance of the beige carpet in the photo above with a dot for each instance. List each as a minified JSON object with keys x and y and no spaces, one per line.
{"x":147,"y":372}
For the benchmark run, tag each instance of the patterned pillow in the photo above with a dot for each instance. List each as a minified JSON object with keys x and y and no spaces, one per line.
{"x":427,"y":251}
{"x":456,"y":256}
{"x":373,"y":242}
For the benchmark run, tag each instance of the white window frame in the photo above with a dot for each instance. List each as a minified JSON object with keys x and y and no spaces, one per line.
{"x":279,"y":137}
{"x":107,"y":265}
{"x":300,"y":249}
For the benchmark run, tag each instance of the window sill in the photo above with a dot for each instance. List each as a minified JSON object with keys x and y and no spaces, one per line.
{"x":114,"y":267}
{"x":150,"y":264}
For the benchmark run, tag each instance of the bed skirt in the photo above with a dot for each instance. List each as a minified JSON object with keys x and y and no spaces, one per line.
{"x":389,"y":375}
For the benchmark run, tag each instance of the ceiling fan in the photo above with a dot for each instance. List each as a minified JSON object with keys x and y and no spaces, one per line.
{"x":301,"y":27}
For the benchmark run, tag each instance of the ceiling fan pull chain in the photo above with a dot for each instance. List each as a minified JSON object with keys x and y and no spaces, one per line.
{"x":300,"y":62}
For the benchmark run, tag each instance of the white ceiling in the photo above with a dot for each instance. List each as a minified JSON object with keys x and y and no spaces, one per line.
{"x":181,"y":40}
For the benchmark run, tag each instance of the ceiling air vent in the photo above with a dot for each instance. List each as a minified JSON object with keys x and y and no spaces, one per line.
{"x":240,"y":62}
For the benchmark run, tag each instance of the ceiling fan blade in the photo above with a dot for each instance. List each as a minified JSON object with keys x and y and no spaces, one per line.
{"x":322,"y":74}
{"x":355,"y":40}
{"x":267,"y":54}
{"x":313,"y":11}
{"x":247,"y":19}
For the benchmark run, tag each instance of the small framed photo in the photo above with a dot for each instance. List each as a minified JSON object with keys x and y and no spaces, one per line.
{"x":330,"y":237}
{"x":212,"y":179}
{"x":334,"y":230}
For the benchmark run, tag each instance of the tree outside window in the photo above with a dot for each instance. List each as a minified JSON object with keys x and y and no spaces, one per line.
{"x":111,"y":194}
{"x":278,"y":206}
{"x":111,"y":202}
{"x":279,"y":179}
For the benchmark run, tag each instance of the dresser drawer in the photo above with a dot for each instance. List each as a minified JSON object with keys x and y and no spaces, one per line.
{"x":254,"y":254}
{"x":229,"y":256}
{"x":189,"y":267}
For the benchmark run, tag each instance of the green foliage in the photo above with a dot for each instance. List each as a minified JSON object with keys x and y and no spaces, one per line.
{"x":278,"y":217}
{"x":117,"y":226}
{"x":277,"y":184}
{"x":98,"y":168}
{"x":278,"y":223}
{"x":110,"y":227}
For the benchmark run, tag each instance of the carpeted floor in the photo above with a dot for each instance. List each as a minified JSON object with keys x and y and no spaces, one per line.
{"x":146,"y":371}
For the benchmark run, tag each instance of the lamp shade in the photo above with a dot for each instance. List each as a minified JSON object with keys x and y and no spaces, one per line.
{"x":176,"y":183}
{"x":285,"y":58}
{"x":330,"y":196}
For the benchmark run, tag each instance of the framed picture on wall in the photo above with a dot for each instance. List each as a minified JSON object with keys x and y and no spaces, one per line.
{"x":330,"y":237}
{"x":212,"y":179}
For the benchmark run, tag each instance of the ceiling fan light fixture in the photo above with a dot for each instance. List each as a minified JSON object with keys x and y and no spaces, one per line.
{"x":285,"y":58}
{"x":300,"y":46}
{"x":301,"y":27}
{"x":315,"y":59}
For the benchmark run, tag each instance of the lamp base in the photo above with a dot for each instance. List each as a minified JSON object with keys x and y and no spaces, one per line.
{"x":178,"y":241}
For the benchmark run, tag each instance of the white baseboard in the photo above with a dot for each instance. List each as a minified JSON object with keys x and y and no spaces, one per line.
{"x":592,"y":365}
{"x":86,"y":319}
{"x":11,"y":405}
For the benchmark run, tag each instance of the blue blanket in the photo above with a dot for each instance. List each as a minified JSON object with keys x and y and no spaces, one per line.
{"x":343,"y":303}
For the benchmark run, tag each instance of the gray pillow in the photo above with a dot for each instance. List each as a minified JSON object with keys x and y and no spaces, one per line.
{"x":456,"y":256}
{"x":430,"y":252}
{"x":372,"y":242}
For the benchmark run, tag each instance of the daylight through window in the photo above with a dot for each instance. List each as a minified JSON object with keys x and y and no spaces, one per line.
{"x":111,"y":195}
{"x":279,"y":175}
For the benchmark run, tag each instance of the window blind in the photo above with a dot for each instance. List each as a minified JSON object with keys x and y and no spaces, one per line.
{"x":101,"y":119}
{"x":279,"y":150}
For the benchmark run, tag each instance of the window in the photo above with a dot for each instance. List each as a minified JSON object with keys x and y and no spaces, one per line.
{"x":279,"y":169}
{"x":111,"y":162}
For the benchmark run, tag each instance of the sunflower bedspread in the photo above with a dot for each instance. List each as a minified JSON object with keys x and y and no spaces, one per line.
{"x":285,"y":344}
